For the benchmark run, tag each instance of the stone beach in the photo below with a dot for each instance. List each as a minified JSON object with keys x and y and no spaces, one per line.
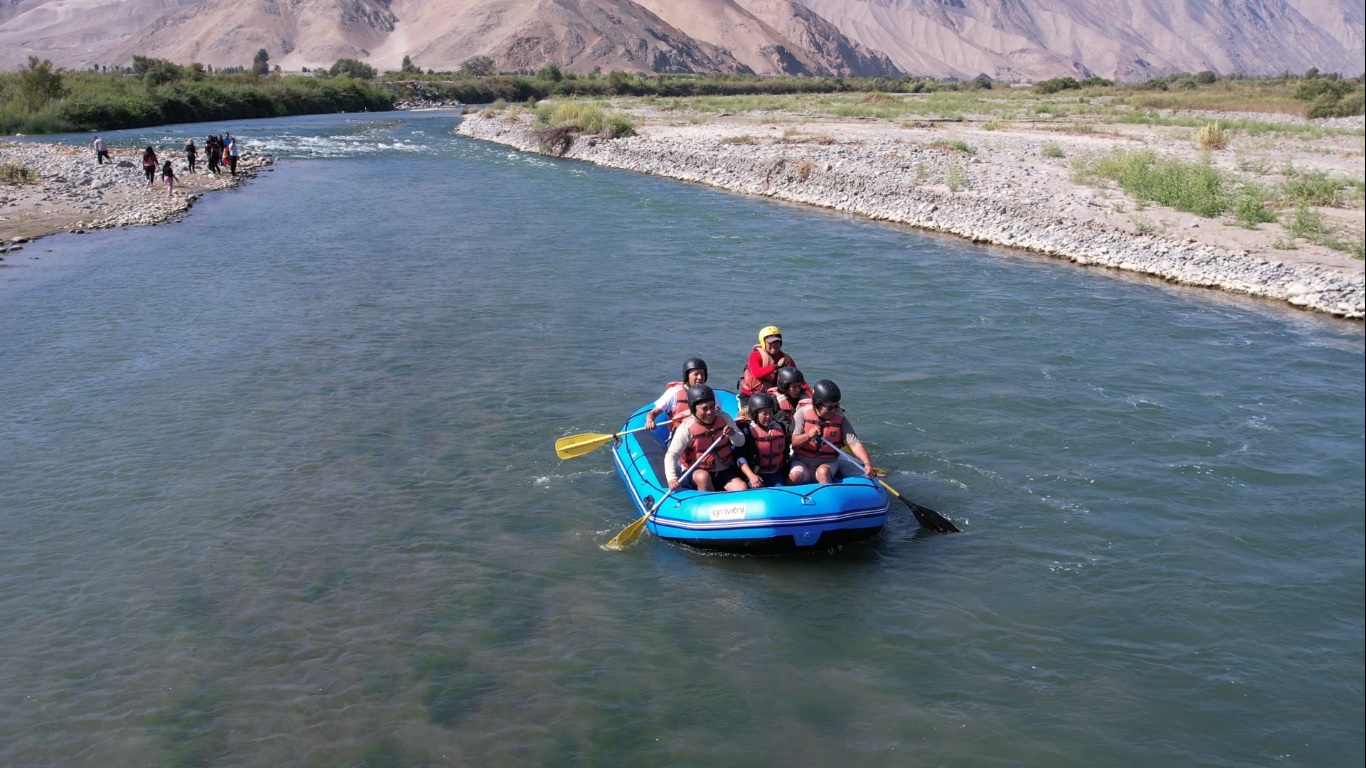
{"x":69,"y":192}
{"x":1005,"y":191}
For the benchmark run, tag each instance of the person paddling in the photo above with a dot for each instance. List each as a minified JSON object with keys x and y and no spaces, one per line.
{"x":674,"y":401}
{"x":761,"y":371}
{"x":812,"y":460}
{"x":694,"y":436}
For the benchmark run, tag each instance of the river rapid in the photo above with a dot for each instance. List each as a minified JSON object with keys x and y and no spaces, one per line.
{"x":277,"y":486}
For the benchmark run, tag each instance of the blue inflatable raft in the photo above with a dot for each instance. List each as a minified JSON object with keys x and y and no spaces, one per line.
{"x":764,"y":520}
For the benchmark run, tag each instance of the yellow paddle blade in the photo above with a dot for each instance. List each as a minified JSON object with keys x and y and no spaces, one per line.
{"x":627,"y":537}
{"x":577,"y":445}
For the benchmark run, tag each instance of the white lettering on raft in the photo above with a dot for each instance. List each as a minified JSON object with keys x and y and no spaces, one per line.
{"x":733,"y":512}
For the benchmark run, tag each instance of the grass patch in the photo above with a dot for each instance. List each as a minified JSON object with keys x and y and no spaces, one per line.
{"x":1051,"y":149}
{"x":1252,"y":206}
{"x":956,"y":145}
{"x":16,"y":175}
{"x":743,"y":138}
{"x":1212,"y":136}
{"x":1313,"y":226}
{"x":1314,"y":188}
{"x":1192,"y":187}
{"x":956,"y":176}
{"x":565,"y":118}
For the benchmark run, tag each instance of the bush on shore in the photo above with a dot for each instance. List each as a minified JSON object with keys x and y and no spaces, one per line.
{"x":160,"y":92}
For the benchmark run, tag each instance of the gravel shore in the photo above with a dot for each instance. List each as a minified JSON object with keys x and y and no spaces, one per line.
{"x":69,"y":192}
{"x":1006,"y":192}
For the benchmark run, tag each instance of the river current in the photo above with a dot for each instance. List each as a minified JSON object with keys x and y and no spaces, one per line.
{"x":277,"y":486}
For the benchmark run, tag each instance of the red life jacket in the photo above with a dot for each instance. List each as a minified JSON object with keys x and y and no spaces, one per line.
{"x":831,"y":429}
{"x":702,"y":437}
{"x":680,"y":410}
{"x":770,"y":445}
{"x":749,"y":383}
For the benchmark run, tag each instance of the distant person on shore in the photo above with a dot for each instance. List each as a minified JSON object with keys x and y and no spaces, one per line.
{"x":707,"y":425}
{"x":674,"y":401}
{"x":812,"y":460}
{"x":101,"y":151}
{"x":168,"y":176}
{"x":215,"y":152}
{"x":149,"y":165}
{"x":761,"y":371}
{"x":190,"y":151}
{"x":234,"y":152}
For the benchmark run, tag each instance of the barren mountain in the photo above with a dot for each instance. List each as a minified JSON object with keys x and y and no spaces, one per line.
{"x":1130,"y":40}
{"x":73,"y":32}
{"x":1007,"y":39}
{"x":773,"y":37}
{"x":578,"y":35}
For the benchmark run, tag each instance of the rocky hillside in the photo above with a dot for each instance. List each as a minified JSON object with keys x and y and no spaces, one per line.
{"x":1121,"y":40}
{"x":1007,"y":39}
{"x":760,"y":36}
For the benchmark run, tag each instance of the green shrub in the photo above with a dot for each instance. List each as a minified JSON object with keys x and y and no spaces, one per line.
{"x":1051,"y":149}
{"x":1212,"y":136}
{"x":1312,"y":188}
{"x":1056,"y":84}
{"x":1251,"y":207}
{"x":1192,"y":187}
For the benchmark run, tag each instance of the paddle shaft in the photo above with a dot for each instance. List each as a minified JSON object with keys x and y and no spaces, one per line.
{"x":630,"y":533}
{"x":924,"y":515}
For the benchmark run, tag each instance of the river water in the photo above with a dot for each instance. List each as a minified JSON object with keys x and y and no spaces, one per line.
{"x":277,"y":486}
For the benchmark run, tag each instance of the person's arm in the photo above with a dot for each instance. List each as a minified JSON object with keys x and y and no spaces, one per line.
{"x":737,"y":435}
{"x":751,"y":476}
{"x":665,"y":404}
{"x":757,"y":367}
{"x":800,"y":434}
{"x":677,"y":443}
{"x":857,"y":448}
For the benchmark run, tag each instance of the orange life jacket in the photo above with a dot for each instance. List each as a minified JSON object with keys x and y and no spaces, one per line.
{"x":701,"y":437}
{"x":680,"y":410}
{"x":749,"y":383}
{"x":831,"y":429}
{"x":785,"y":403}
{"x":770,"y":445}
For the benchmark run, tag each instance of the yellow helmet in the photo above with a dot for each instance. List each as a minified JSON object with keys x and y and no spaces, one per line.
{"x":769,"y":330}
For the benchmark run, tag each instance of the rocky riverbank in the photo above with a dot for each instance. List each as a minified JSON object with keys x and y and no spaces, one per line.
{"x":1008,"y":190}
{"x":50,"y":188}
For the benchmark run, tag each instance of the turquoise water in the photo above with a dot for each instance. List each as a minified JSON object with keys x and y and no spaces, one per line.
{"x":277,"y":487}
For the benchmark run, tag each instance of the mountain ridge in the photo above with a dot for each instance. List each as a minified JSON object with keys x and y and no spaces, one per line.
{"x":1004,"y":39}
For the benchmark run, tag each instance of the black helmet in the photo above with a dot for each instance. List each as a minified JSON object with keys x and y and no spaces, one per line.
{"x":761,"y":400}
{"x":694,"y":364}
{"x":700,"y":393}
{"x":787,"y":376}
{"x":825,"y":391}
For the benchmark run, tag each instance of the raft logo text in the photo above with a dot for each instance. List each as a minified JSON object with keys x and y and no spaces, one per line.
{"x":732,"y":512}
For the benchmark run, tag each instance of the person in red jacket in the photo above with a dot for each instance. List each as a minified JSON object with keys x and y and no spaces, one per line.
{"x":761,"y":371}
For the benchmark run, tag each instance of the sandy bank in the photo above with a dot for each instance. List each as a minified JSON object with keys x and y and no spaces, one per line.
{"x":1009,"y":192}
{"x":69,"y":192}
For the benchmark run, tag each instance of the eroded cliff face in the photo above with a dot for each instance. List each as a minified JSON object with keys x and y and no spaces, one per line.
{"x":1006,"y":39}
{"x":1126,"y":40}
